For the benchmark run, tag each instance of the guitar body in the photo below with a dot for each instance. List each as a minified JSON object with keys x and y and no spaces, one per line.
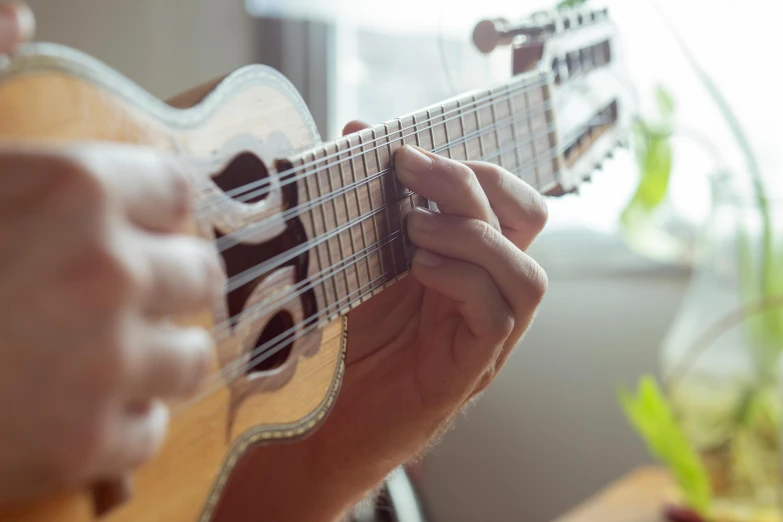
{"x":232,"y":133}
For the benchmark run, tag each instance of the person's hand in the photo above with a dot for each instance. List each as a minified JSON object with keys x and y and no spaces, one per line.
{"x":421,"y":349}
{"x":91,"y":259}
{"x":17,"y":25}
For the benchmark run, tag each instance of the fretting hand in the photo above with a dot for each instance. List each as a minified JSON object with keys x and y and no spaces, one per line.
{"x":420,"y":350}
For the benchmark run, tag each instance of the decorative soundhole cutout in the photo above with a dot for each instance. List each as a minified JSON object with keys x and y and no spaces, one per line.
{"x":245,"y":170}
{"x":275,"y":328}
{"x":269,"y":299}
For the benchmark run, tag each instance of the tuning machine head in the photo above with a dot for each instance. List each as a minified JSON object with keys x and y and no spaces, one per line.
{"x":489,"y":34}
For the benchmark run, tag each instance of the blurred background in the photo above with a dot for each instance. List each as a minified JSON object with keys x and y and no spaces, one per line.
{"x":550,"y":432}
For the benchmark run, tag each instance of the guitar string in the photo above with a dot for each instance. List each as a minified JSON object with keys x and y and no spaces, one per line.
{"x":183,"y":405}
{"x":382,"y":142}
{"x":261,"y":353}
{"x":260,"y":269}
{"x":227,"y":323}
{"x":271,"y":347}
{"x":251,"y":273}
{"x":229,"y":240}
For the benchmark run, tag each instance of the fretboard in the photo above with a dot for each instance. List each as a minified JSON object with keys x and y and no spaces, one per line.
{"x":355,"y":208}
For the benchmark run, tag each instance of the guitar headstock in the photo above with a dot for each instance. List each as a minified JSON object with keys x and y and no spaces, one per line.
{"x":577,"y":49}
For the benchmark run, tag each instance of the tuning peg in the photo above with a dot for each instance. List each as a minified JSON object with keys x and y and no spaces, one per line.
{"x":488,"y":34}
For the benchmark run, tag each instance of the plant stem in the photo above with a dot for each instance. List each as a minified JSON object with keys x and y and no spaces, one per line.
{"x":744,"y":144}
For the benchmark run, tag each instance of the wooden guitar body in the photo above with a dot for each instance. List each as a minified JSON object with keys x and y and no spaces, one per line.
{"x":52,"y":94}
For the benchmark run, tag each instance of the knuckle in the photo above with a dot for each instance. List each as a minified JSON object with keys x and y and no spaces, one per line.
{"x":537,"y":281}
{"x":77,"y":184}
{"x":110,"y":279}
{"x":487,"y":234}
{"x":193,"y":365}
{"x":506,"y":324}
{"x":463,"y":178}
{"x":181,"y":192}
{"x":78,"y":448}
{"x":538,"y":211}
{"x":493,"y":176}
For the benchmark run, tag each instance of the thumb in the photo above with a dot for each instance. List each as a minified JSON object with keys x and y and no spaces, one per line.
{"x":17,"y":25}
{"x":354,"y":126}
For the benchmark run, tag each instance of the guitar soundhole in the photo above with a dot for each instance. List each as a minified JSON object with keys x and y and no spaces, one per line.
{"x":278,"y":328}
{"x":245,"y":169}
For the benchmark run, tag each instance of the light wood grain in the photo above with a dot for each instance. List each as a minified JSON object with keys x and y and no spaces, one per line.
{"x":638,"y":497}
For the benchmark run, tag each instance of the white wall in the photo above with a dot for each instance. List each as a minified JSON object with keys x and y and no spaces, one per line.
{"x":166,"y":46}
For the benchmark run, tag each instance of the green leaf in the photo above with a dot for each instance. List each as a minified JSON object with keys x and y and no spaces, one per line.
{"x":650,"y":414}
{"x":563,"y":4}
{"x":665,"y":103}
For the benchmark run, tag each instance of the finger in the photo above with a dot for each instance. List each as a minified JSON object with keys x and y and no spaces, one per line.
{"x":166,"y":361}
{"x":354,"y":126}
{"x":520,"y":280}
{"x":17,"y":25}
{"x":521,"y":210}
{"x":485,"y":311}
{"x":450,"y":184}
{"x":153,"y":186}
{"x":132,"y":436}
{"x":182,"y":274}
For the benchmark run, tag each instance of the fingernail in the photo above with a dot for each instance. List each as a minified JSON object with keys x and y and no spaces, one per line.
{"x":26,"y":21}
{"x":17,"y":24}
{"x":204,"y":344}
{"x":428,"y":259}
{"x":424,"y":220}
{"x":413,"y":159}
{"x":217,"y":278}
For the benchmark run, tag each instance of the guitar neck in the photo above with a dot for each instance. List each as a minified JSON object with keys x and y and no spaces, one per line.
{"x":356,"y":208}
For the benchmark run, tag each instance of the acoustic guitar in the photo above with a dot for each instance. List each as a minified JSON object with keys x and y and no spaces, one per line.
{"x":308,"y":230}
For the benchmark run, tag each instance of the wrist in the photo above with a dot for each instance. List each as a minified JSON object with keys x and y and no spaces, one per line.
{"x":290,"y":481}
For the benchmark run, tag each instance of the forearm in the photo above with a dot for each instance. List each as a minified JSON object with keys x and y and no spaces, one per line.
{"x":297,"y":482}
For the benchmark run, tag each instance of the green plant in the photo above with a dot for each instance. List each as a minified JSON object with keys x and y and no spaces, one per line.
{"x":651,"y":142}
{"x":649,"y":412}
{"x":754,"y":422}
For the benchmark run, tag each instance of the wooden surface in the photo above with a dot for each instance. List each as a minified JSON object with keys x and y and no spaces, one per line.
{"x":637,"y":497}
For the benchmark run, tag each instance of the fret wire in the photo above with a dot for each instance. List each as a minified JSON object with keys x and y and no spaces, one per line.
{"x":387,"y":200}
{"x":395,"y":234}
{"x":327,"y":244}
{"x":446,"y":132}
{"x":234,"y":238}
{"x":533,"y":145}
{"x":379,"y":254}
{"x":399,"y":202}
{"x":359,"y":209}
{"x":462,"y":127}
{"x":317,"y":250}
{"x":514,"y":131}
{"x":348,"y":215}
{"x":430,"y":205}
{"x":305,"y":166}
{"x":501,"y":160}
{"x":418,"y":144}
{"x":235,"y":280}
{"x":337,"y":219}
{"x":478,"y":126}
{"x":552,"y":137}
